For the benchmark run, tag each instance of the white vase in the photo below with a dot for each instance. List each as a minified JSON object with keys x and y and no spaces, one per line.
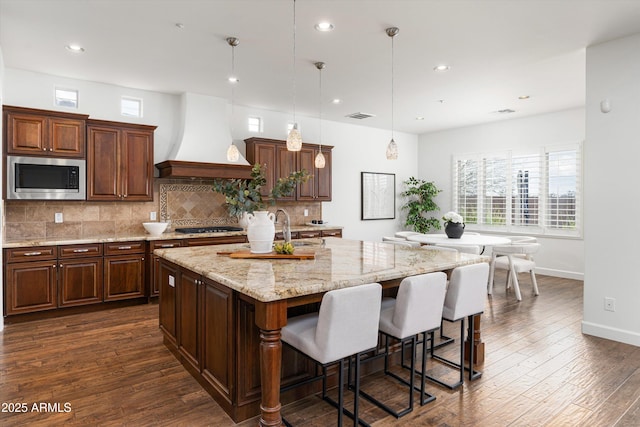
{"x":261,"y":231}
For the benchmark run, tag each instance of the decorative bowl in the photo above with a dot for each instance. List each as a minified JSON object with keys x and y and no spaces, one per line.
{"x":155,"y":228}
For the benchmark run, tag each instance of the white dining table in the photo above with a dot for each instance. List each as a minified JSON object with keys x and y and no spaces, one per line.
{"x":464,"y":240}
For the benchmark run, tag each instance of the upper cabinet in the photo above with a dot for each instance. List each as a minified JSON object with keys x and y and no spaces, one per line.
{"x":119,"y":161}
{"x":44,"y":133}
{"x":280,"y":162}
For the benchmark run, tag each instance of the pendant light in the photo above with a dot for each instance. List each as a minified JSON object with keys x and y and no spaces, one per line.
{"x":392,"y":148}
{"x":320,"y":160}
{"x":232,"y":152}
{"x":294,"y":139}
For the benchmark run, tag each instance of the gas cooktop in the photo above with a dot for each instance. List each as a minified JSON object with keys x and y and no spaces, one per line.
{"x":213,"y":229}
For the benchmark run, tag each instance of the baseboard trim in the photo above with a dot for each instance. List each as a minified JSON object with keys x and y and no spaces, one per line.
{"x":560,"y":273}
{"x":613,"y":334}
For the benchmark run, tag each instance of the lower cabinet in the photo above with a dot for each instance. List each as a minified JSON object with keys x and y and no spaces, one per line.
{"x":80,"y":282}
{"x":30,"y":286}
{"x":166,"y":277}
{"x":188,"y":325}
{"x":124,"y":270}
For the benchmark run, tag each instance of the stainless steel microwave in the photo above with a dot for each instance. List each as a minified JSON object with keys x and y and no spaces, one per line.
{"x":45,"y":178}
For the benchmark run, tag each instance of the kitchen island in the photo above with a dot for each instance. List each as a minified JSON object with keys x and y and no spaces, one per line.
{"x":222,"y":316}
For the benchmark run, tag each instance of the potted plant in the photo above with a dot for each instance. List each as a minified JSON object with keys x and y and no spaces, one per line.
{"x":243,"y":195}
{"x":420,"y":194}
{"x":453,"y":225}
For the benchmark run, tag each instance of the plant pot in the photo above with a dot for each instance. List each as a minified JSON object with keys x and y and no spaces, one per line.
{"x":261,"y":231}
{"x":454,"y":230}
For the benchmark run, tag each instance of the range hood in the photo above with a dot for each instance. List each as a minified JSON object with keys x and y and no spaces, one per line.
{"x":201,"y":148}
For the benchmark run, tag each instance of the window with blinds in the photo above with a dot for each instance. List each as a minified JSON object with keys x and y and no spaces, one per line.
{"x":537,"y":193}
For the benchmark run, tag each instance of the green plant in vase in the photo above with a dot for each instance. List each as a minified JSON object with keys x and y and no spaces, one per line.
{"x":243,"y":195}
{"x":420,"y":194}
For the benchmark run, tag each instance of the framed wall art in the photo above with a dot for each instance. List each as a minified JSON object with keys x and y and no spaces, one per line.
{"x":378,"y":195}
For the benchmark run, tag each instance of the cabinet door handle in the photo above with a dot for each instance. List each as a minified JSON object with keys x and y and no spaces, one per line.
{"x":32,"y":253}
{"x":123,"y":248}
{"x":168,"y":245}
{"x":79,"y":251}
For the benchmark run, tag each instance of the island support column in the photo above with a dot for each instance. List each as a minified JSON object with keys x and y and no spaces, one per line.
{"x":270,"y":318}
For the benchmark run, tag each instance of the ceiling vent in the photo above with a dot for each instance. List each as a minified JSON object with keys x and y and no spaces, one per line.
{"x":359,"y":116}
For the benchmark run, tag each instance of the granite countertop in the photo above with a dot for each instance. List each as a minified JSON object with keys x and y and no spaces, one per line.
{"x":339,"y":263}
{"x":144,"y":236}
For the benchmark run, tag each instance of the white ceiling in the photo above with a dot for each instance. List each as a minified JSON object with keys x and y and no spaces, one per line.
{"x":497,"y":50}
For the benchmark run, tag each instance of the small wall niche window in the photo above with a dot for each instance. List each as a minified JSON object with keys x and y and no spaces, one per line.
{"x":254,"y":124}
{"x":131,"y":107}
{"x":66,"y":97}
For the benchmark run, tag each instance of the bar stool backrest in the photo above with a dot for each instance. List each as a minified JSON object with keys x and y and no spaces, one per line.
{"x":419,"y":304}
{"x":466,"y":291}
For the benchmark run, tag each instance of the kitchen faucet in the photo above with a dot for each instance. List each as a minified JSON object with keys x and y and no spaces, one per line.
{"x":286,"y":227}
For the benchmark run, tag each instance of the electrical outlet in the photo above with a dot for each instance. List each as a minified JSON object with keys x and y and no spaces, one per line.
{"x":57,"y":218}
{"x":153,"y":216}
{"x":306,"y":212}
{"x":609,"y":304}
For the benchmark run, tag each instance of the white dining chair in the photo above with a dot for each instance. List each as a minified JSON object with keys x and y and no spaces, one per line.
{"x":515,"y":258}
{"x":324,"y":338}
{"x":404,"y":234}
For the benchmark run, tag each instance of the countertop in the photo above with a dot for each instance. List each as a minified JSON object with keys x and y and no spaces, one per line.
{"x":339,"y":263}
{"x":144,"y":236}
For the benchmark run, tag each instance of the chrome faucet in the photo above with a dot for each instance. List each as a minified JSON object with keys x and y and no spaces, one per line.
{"x":286,"y":227}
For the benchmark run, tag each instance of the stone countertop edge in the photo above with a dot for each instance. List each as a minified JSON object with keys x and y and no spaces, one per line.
{"x":172,"y":235}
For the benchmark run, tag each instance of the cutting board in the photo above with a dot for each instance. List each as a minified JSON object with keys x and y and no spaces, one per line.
{"x":247,"y":254}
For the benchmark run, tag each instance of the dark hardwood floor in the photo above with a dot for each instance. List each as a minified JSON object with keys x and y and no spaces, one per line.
{"x":111,"y":368}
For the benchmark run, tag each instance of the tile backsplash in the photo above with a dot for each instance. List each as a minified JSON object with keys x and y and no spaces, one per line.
{"x":185,"y":203}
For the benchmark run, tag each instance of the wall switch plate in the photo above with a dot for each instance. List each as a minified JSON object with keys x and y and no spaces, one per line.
{"x":306,"y":212}
{"x":153,"y":216}
{"x":609,"y":304}
{"x":57,"y":218}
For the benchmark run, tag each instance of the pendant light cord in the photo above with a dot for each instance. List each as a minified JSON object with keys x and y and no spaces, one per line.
{"x":392,"y":87}
{"x":294,"y":62}
{"x":320,"y":109}
{"x":233,"y":84}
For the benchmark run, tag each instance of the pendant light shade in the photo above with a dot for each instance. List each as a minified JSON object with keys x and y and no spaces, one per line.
{"x":320,"y":160}
{"x":392,"y":148}
{"x":232,"y":152}
{"x":294,"y":139}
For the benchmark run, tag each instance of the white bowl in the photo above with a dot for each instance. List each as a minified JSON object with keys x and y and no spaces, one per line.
{"x":155,"y":228}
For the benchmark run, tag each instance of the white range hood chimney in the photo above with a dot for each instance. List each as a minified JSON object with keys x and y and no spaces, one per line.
{"x":204,"y":138}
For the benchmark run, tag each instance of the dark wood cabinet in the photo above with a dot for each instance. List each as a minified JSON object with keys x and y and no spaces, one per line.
{"x":30,"y":286}
{"x":124,"y":270}
{"x":318,"y":188}
{"x":280,"y":163}
{"x":44,"y":133}
{"x":188,"y":311}
{"x":80,"y":274}
{"x":119,"y":161}
{"x":166,"y":278}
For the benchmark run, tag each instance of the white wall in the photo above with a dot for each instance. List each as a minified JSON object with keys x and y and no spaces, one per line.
{"x":612,"y":153}
{"x":357,"y":148}
{"x":558,"y":257}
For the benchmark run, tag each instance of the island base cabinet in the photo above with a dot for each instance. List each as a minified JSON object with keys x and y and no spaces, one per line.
{"x":166,"y":277}
{"x":211,"y":329}
{"x":30,"y":286}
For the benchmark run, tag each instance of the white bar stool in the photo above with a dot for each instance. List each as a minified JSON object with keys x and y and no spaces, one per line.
{"x":417,"y":309}
{"x":465,"y":298}
{"x":346,"y":325}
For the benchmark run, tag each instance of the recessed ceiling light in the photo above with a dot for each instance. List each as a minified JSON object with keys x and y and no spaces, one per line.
{"x":523,"y":97}
{"x":75,"y":48}
{"x":442,"y":67}
{"x":419,"y":118}
{"x":179,"y":25}
{"x":233,"y":79}
{"x":324,"y":26}
{"x":336,"y":101}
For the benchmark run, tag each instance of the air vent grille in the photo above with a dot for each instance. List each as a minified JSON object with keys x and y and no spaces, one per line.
{"x":359,"y":116}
